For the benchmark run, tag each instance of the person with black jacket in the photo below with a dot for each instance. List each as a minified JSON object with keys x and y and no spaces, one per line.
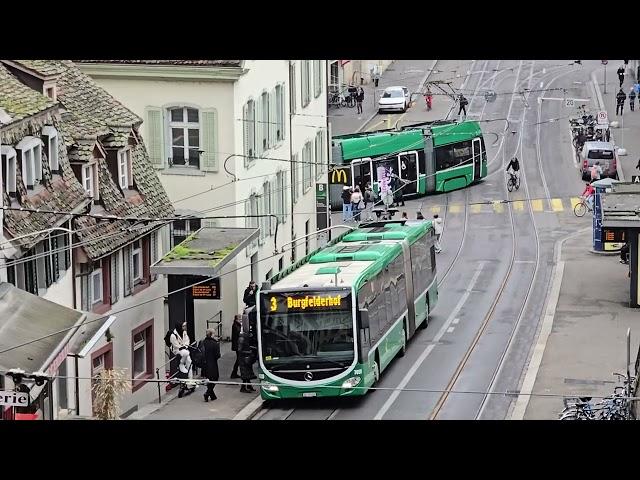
{"x":515,"y":165}
{"x":250,"y":294}
{"x":235,"y":335}
{"x":211,"y":355}
{"x":621,"y":75}
{"x":360,"y":98}
{"x":620,"y":97}
{"x":463,"y":105}
{"x":248,"y":353}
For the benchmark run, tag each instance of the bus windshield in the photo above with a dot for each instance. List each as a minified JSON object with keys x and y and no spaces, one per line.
{"x":308,"y":326}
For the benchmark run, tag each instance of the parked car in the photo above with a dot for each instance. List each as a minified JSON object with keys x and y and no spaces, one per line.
{"x":394,"y":98}
{"x":603,"y":152}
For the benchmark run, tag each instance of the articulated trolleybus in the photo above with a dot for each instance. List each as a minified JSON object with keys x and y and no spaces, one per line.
{"x":433,"y":157}
{"x":332,"y":322}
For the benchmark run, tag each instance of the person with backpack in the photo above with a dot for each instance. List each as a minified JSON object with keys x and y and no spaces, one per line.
{"x":235,"y":335}
{"x":620,"y":98}
{"x":356,"y":204}
{"x":346,"y":204}
{"x":211,"y":349}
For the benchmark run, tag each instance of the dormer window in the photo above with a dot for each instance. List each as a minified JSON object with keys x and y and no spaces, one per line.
{"x":50,"y":91}
{"x":8,"y":170}
{"x":30,"y":151}
{"x":89,"y":181}
{"x":124,"y":168}
{"x":50,"y":140}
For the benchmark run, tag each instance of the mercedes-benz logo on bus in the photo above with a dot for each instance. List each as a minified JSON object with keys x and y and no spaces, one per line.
{"x":308,"y":376}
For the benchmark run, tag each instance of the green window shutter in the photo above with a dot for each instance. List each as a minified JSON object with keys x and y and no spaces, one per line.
{"x":210,"y":139}
{"x":155,"y":136}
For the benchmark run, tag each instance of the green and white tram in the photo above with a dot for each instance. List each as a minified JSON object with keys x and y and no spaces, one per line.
{"x":330,"y":324}
{"x":437,"y":157}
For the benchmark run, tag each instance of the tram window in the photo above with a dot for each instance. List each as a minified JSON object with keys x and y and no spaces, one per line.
{"x":462,"y":153}
{"x":444,"y":157}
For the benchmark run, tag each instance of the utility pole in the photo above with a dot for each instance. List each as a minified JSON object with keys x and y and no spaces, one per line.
{"x":604,"y":62}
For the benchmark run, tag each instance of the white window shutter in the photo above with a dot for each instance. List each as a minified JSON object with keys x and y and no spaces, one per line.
{"x":282,"y":126}
{"x":155,"y":136}
{"x":245,"y":133}
{"x":273,"y":139}
{"x":258,"y":126}
{"x":209,"y":118}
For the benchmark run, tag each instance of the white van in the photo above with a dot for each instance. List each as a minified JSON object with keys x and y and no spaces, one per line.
{"x":603,"y":152}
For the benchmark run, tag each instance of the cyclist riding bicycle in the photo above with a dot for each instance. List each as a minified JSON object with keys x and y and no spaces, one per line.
{"x":587,"y":194}
{"x":514,"y":164}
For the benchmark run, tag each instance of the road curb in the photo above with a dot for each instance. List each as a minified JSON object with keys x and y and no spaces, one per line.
{"x":608,"y":253}
{"x":601,"y":106}
{"x":424,"y":79}
{"x":250,"y":410}
{"x":531,"y":375}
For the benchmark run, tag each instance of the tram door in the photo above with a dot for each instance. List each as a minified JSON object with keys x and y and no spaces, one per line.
{"x":361,"y":173}
{"x":408,"y":168}
{"x":477,"y":158}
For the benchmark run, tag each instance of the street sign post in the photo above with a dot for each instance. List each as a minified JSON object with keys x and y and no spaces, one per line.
{"x":14,"y":399}
{"x":603,"y":118}
{"x":604,"y":62}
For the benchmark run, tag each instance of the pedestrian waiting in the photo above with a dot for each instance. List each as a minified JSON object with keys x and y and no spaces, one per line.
{"x":235,"y":335}
{"x":211,"y":355}
{"x":346,"y":204}
{"x":463,"y":105}
{"x":360,"y":98}
{"x":632,"y":98}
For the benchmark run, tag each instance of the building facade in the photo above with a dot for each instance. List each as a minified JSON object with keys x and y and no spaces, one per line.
{"x":225,"y":137}
{"x":75,"y":153}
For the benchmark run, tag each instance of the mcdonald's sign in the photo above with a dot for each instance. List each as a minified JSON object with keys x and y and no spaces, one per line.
{"x":341,"y":176}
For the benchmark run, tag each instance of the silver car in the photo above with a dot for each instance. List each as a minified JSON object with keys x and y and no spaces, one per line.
{"x":394,"y":98}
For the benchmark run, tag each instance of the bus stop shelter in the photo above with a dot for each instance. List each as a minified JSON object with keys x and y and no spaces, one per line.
{"x":621,"y":224}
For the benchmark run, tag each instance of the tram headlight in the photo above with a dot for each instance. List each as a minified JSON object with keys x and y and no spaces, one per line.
{"x":351,"y":382}
{"x":270,"y":387}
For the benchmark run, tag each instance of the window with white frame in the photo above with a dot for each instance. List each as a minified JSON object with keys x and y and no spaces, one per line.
{"x":31,"y":160}
{"x":124,"y":168}
{"x":318,"y":78}
{"x":8,"y":169}
{"x":249,"y":127}
{"x":281,"y":195}
{"x":181,"y":229}
{"x":264,"y":121}
{"x":306,"y":82}
{"x":292,"y":87}
{"x":295,"y":178}
{"x":137,"y":261}
{"x":252,"y":209}
{"x":307,"y":166}
{"x":96,"y":286}
{"x":87,"y":179}
{"x":140,"y":353}
{"x":50,"y":140}
{"x":184,"y":136}
{"x":280,"y":126}
{"x":320,"y":148}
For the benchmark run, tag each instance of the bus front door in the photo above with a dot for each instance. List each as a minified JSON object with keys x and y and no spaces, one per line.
{"x":477,"y":158}
{"x":408,"y":168}
{"x":361,"y":173}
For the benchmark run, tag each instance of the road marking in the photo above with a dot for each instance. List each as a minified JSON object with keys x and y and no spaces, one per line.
{"x":456,"y":321}
{"x":518,"y":205}
{"x":556,"y":205}
{"x":414,"y":368}
{"x":375,"y":125}
{"x":536,"y":205}
{"x":574,"y":201}
{"x":455,"y":208}
{"x":450,"y":329}
{"x":476,"y":208}
{"x":524,"y":261}
{"x":435,"y":209}
{"x":498,"y":207}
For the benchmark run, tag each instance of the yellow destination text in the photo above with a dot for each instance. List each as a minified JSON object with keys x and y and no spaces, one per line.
{"x":313,"y":301}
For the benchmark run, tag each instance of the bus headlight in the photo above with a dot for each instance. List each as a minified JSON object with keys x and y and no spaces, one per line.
{"x":270,"y":387}
{"x":351,"y":382}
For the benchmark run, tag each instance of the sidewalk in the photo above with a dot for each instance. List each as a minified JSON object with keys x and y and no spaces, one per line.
{"x":408,"y":73}
{"x":626,"y":135}
{"x":587,"y":340}
{"x":229,"y":404}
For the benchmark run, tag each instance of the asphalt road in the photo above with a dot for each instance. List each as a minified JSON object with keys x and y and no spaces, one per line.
{"x":494,"y":271}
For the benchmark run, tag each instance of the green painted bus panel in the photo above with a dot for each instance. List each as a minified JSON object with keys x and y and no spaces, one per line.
{"x":421,"y":308}
{"x":455,"y":132}
{"x":433,"y":295}
{"x":366,"y":253}
{"x":375,"y":145}
{"x":453,"y":179}
{"x":392,"y":231}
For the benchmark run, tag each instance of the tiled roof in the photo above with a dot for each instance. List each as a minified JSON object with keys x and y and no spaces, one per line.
{"x":193,"y":63}
{"x":43,"y":67}
{"x":18,"y":100}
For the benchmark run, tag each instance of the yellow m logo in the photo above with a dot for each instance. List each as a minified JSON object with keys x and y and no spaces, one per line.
{"x":341,"y":176}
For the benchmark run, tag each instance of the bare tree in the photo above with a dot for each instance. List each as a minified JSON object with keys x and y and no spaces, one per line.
{"x":108,"y":387}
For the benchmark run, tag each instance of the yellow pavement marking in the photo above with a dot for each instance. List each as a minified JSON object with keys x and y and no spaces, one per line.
{"x":574,"y":202}
{"x":536,"y":205}
{"x":455,"y":208}
{"x":498,"y":207}
{"x":518,"y":205}
{"x":476,"y":208}
{"x":388,"y":121}
{"x":375,"y":125}
{"x":435,"y":209}
{"x":556,"y":205}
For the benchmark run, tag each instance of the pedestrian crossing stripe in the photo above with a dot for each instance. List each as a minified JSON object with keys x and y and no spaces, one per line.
{"x":518,"y":205}
{"x":556,"y":205}
{"x":536,"y":205}
{"x":455,"y":208}
{"x":498,"y":207}
{"x":435,"y":209}
{"x":476,"y":208}
{"x":574,"y":202}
